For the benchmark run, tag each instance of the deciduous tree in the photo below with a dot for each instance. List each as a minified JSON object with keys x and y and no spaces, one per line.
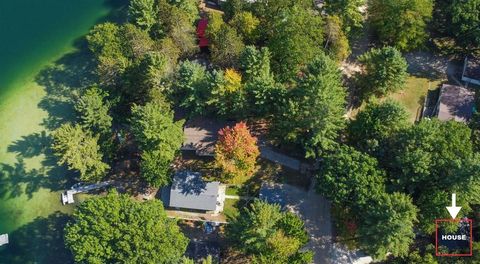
{"x":401,"y":23}
{"x":226,"y":46}
{"x":348,"y":11}
{"x":227,"y":93}
{"x":135,"y":42}
{"x":189,"y":7}
{"x":336,"y":40}
{"x":294,"y":37}
{"x":376,"y":126}
{"x":180,"y":29}
{"x":270,"y":235}
{"x":236,"y":153}
{"x":351,"y":179}
{"x":465,"y":15}
{"x":246,"y":25}
{"x":429,"y":154}
{"x":118,"y":229}
{"x":232,"y":7}
{"x":387,"y":226}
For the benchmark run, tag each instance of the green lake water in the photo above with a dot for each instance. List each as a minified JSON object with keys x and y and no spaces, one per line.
{"x":39,"y":56}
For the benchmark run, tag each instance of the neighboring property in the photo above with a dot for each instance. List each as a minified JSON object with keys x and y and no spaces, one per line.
{"x":471,"y":70}
{"x":455,"y":103}
{"x":201,"y":134}
{"x":190,"y":192}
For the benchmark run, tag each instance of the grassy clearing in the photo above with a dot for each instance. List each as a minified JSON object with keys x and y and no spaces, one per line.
{"x":233,"y":190}
{"x":413,"y":95}
{"x":231,"y":208}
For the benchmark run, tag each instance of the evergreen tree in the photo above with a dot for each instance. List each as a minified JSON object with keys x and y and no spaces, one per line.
{"x":142,"y":13}
{"x":313,"y":114}
{"x":159,"y":138}
{"x":385,"y":71}
{"x":80,"y":151}
{"x":93,"y":109}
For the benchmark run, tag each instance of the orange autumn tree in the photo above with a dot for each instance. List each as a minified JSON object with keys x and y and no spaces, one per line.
{"x":236,"y":153}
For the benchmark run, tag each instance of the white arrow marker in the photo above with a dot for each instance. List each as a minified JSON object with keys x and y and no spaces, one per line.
{"x":453,"y":210}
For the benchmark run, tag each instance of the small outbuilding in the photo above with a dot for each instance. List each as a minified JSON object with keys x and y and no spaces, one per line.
{"x":190,"y":192}
{"x":455,"y":103}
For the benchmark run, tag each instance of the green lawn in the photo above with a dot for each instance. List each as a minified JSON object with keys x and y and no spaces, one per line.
{"x":233,"y":190}
{"x":413,"y":95}
{"x":231,"y":208}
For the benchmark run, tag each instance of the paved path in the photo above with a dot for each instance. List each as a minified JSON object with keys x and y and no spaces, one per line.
{"x":284,"y":160}
{"x":236,"y":197}
{"x":220,"y":218}
{"x":269,"y":153}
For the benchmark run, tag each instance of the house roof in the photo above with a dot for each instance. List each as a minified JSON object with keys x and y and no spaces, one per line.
{"x":189,"y":191}
{"x":455,"y":103}
{"x":201,"y":28}
{"x":201,"y":134}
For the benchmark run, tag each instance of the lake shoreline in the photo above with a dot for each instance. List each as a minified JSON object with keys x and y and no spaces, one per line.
{"x":30,"y":180}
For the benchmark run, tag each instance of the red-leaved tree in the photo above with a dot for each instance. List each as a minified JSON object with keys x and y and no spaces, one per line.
{"x":236,"y":153}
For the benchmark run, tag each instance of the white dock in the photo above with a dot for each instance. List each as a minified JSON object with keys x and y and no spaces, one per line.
{"x":3,"y":239}
{"x":67,"y":196}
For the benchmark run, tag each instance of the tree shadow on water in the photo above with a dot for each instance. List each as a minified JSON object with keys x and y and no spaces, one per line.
{"x":40,"y":241}
{"x":16,"y":179}
{"x":31,"y":145}
{"x":63,"y":82}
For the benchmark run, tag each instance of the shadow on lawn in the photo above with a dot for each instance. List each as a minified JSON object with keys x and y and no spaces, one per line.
{"x":40,"y":241}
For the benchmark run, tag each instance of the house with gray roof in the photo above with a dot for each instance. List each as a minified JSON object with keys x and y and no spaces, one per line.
{"x":190,"y":192}
{"x":455,"y":103}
